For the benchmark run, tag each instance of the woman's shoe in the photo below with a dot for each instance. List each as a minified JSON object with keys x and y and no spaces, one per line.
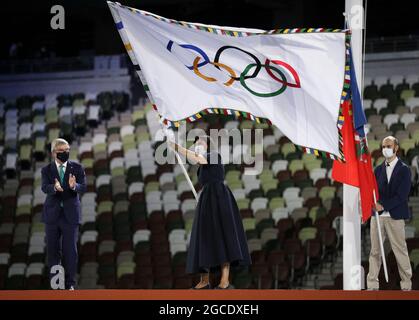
{"x":228,"y":287}
{"x":208,"y":286}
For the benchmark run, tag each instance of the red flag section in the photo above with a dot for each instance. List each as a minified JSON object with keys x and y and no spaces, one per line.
{"x":357,"y":170}
{"x":367,"y":185}
{"x":347,"y":172}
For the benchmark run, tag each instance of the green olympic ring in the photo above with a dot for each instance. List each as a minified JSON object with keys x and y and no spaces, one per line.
{"x":263,"y":95}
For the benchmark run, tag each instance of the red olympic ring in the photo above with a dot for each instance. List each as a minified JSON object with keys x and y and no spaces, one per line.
{"x":294,"y":73}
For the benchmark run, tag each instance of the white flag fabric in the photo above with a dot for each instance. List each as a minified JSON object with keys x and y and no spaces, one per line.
{"x":294,"y":78}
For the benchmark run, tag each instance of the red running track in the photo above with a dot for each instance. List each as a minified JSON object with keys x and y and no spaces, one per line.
{"x":207,"y":295}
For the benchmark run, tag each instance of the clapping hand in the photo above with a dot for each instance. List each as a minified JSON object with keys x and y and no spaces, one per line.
{"x":72,"y":181}
{"x":57,"y":186}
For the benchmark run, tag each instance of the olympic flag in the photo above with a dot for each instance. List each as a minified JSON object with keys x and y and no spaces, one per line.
{"x":294,"y":78}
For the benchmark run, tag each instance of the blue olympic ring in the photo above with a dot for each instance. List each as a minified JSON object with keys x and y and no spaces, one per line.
{"x":194,"y":48}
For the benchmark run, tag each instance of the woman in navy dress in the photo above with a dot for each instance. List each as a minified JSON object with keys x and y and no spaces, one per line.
{"x":218,"y":240}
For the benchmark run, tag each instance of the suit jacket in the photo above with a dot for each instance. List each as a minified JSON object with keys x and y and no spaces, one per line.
{"x":394,"y":194}
{"x":70,"y":198}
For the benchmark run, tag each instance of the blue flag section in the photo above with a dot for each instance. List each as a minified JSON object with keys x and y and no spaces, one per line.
{"x":359,"y":116}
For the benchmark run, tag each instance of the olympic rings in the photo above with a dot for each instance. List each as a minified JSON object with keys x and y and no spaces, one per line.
{"x":217,"y":65}
{"x":282,"y":79}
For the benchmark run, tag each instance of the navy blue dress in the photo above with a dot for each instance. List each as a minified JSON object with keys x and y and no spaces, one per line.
{"x":217,"y":234}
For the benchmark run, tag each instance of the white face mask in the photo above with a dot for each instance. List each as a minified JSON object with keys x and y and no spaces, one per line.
{"x":388,"y":152}
{"x":200,"y":149}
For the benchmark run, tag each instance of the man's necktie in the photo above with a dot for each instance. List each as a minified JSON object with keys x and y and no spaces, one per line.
{"x":61,"y":179}
{"x":61,"y":175}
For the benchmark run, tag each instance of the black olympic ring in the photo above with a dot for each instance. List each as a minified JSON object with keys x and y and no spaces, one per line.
{"x":258,"y":63}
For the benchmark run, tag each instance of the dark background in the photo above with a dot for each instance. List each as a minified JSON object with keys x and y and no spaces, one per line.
{"x":90,"y":28}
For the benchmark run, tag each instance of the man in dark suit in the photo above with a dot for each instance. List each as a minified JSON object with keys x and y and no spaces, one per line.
{"x":63,"y":181}
{"x":394,"y":183}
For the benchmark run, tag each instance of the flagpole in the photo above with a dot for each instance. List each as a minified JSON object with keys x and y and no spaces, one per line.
{"x":186,"y":174}
{"x":353,"y":275}
{"x":353,"y":280}
{"x":380,"y":238}
{"x":358,"y":28}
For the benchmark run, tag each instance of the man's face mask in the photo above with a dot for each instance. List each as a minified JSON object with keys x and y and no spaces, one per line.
{"x":388,"y":152}
{"x":63,"y":156}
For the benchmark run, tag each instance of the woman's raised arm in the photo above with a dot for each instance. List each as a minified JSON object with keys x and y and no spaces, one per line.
{"x":198,"y":158}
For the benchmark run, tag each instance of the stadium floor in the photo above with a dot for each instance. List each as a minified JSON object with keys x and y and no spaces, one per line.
{"x":206,"y":295}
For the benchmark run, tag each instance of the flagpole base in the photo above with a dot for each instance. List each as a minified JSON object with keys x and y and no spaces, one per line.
{"x":353,"y":273}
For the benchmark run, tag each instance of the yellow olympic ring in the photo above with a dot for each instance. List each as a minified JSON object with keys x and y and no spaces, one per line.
{"x":211,"y":79}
